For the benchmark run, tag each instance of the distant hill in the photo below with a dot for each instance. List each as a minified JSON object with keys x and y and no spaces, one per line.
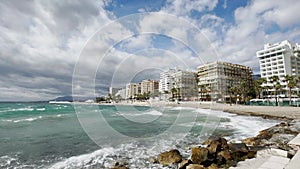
{"x":63,"y":98}
{"x":256,"y":76}
{"x":71,"y":98}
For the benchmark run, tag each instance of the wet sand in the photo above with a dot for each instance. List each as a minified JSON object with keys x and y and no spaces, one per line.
{"x":275,"y":112}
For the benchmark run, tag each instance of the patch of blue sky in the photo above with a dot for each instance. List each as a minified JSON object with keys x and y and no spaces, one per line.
{"x":226,"y":8}
{"x":272,"y":28}
{"x":156,"y":41}
{"x":126,"y":7}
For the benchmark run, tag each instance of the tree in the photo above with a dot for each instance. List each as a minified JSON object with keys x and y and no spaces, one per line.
{"x":202,"y":91}
{"x":291,"y":83}
{"x":267,"y":88}
{"x":235,"y":90}
{"x":174,"y":93}
{"x":276,"y":87}
{"x":232,"y":91}
{"x":258,"y":87}
{"x":243,"y":89}
{"x":109,"y":98}
{"x":100,"y":99}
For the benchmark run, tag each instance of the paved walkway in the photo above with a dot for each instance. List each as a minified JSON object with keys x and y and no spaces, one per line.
{"x":273,"y":159}
{"x":295,"y":161}
{"x":275,"y":162}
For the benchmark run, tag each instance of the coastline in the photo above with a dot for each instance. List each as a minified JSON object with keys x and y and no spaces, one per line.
{"x":272,"y":112}
{"x":289,"y":117}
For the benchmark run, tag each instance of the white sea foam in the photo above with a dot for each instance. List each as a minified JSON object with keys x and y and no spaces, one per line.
{"x":136,"y":154}
{"x":21,"y":109}
{"x":177,"y":108}
{"x":141,"y":117}
{"x":152,"y":113}
{"x":28,"y":119}
{"x":5,"y":161}
{"x":245,"y":126}
{"x":85,"y":160}
{"x":41,"y":109}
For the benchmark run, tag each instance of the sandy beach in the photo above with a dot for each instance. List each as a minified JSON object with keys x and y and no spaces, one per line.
{"x":264,"y":111}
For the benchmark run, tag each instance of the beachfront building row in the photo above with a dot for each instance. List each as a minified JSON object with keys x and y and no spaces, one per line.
{"x":279,"y":59}
{"x":132,"y":90}
{"x":216,"y":79}
{"x":211,"y":81}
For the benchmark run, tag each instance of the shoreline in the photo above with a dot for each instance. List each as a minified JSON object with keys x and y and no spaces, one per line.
{"x":270,"y":112}
{"x":287,"y":115}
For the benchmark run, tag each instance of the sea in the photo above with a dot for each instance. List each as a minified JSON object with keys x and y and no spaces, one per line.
{"x":43,"y":135}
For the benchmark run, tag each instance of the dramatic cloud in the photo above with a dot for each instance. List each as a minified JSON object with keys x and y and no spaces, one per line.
{"x":255,"y":24}
{"x":41,"y":42}
{"x":184,"y":8}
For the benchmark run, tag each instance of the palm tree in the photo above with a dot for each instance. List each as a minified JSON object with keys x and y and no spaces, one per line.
{"x":202,"y":90}
{"x":267,"y":88}
{"x":291,"y":83}
{"x":178,"y":94}
{"x":258,"y":87}
{"x":276,"y":87}
{"x":235,"y":90}
{"x":173,"y":91}
{"x":298,"y":84}
{"x":232,"y":91}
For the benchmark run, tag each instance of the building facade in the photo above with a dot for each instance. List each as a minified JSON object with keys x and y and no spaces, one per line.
{"x":149,"y":86}
{"x":178,"y":84}
{"x":166,"y":81}
{"x":215,"y":79}
{"x":132,"y":90}
{"x":279,"y":59}
{"x":121,"y":94}
{"x":113,"y":91}
{"x":185,"y":85}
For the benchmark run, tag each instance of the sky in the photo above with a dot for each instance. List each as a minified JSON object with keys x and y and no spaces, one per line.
{"x":57,"y":48}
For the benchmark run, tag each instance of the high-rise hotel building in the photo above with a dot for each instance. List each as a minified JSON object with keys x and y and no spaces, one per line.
{"x":216,"y":78}
{"x":279,"y":59}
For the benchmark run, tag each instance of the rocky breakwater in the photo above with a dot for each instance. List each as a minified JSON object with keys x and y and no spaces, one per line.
{"x":277,"y":137}
{"x":214,"y":153}
{"x":218,"y":153}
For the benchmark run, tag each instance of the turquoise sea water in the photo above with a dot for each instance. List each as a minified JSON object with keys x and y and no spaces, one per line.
{"x":42,"y":135}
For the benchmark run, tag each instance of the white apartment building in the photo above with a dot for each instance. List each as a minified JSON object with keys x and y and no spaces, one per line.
{"x":183,"y":82}
{"x":279,"y":59}
{"x":149,"y":86}
{"x":165,"y":80}
{"x":112,"y":90}
{"x":121,"y":93}
{"x":132,"y":90}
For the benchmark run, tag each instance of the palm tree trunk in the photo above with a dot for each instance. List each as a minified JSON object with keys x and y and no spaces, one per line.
{"x":290,"y":96}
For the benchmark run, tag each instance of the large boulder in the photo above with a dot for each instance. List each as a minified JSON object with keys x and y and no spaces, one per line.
{"x":184,"y":163}
{"x":199,"y":155}
{"x":169,"y":157}
{"x":240,"y":151}
{"x":216,"y":145}
{"x":238,"y":147}
{"x":195,"y":166}
{"x":120,"y":165}
{"x":213,"y":166}
{"x":153,"y":160}
{"x":225,"y":154}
